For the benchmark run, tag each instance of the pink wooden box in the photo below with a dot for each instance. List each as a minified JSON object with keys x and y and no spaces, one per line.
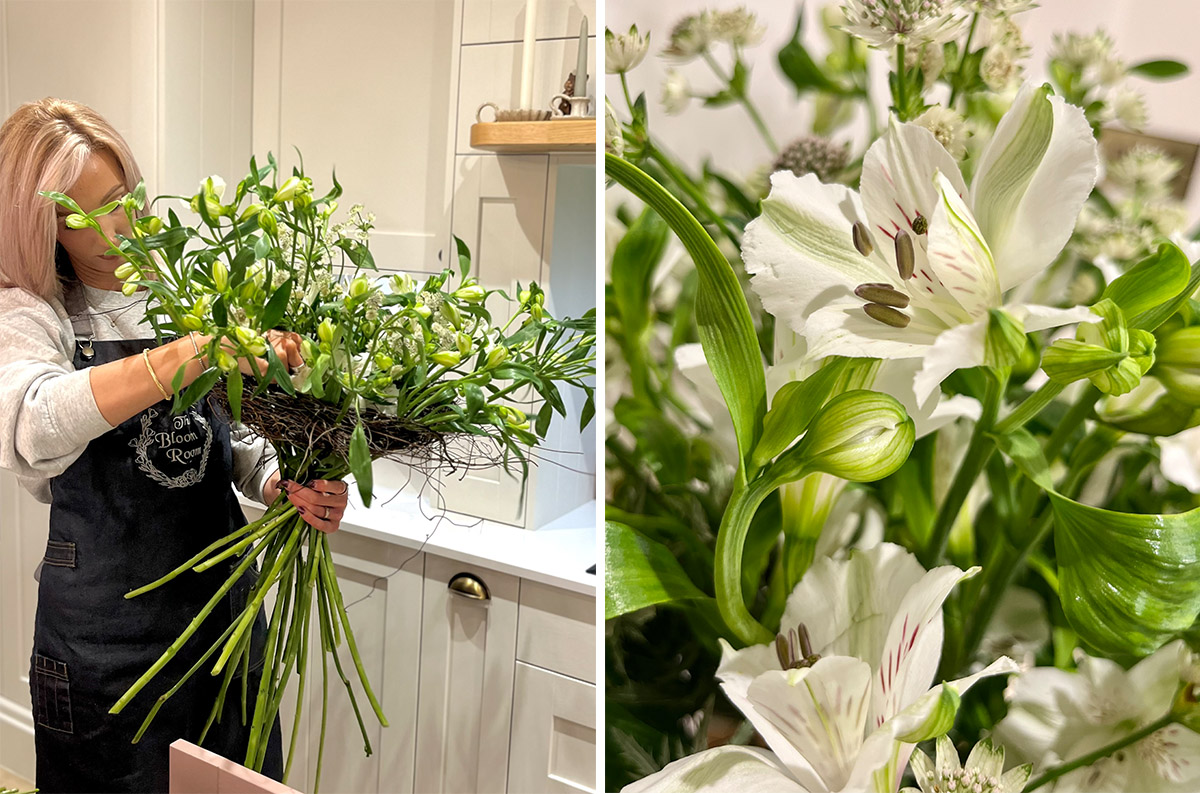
{"x":195,"y":770}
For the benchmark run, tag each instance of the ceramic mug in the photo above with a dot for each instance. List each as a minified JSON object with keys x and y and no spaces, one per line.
{"x":524,"y":114}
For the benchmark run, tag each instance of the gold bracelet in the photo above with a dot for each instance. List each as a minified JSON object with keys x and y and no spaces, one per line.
{"x":192,"y":338}
{"x":150,"y":369}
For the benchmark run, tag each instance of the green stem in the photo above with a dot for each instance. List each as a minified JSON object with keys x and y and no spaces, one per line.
{"x":265,"y":582}
{"x":693,"y":192}
{"x":727,"y":567}
{"x":628,"y":98}
{"x":901,"y":82}
{"x":341,"y":613}
{"x":1103,"y":752}
{"x":962,"y":62}
{"x":1030,"y":407}
{"x":978,"y":451}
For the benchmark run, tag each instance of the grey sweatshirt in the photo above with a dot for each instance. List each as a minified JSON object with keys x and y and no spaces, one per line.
{"x":48,"y":414}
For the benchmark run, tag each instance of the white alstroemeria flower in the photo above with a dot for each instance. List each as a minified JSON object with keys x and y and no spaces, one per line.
{"x":1019,"y":629}
{"x":984,"y":770}
{"x":886,"y":23}
{"x":1055,"y":716}
{"x":839,"y":692}
{"x":960,"y":251}
{"x":1181,"y":458}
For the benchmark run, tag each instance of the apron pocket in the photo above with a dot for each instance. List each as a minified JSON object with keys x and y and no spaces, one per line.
{"x":51,"y":694}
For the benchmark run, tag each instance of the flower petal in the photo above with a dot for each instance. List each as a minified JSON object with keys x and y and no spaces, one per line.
{"x":923,"y":770}
{"x":1035,"y":727}
{"x":1039,"y":318}
{"x":958,"y":254}
{"x":820,"y":710}
{"x":847,"y":605}
{"x":947,"y":757}
{"x":883,"y":754}
{"x":728,"y":768}
{"x":799,"y":252}
{"x":909,"y":658}
{"x":1156,"y":678}
{"x":1016,"y":778}
{"x":1173,"y":753}
{"x":1033,"y":178}
{"x":935,"y":411}
{"x":737,"y":671}
{"x":986,"y":759}
{"x":961,"y":347}
{"x":844,"y":329}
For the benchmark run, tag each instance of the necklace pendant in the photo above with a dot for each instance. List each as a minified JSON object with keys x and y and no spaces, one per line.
{"x":86,"y":350}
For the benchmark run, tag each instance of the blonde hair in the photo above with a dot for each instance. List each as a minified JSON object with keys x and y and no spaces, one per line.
{"x":44,"y":146}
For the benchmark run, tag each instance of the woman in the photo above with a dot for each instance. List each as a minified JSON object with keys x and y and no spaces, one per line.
{"x":134,"y":490}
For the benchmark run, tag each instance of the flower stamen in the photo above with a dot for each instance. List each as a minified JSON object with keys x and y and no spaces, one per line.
{"x":795,"y":650}
{"x":882,"y":294}
{"x":887,"y":315}
{"x":920,"y":224}
{"x":905,"y":258}
{"x":862,"y":238}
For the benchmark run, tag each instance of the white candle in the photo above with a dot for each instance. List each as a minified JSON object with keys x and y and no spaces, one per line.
{"x":581,"y":62}
{"x":527,"y":54}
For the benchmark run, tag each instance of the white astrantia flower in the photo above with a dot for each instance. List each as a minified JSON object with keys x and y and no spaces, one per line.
{"x":948,"y":127}
{"x":1128,"y":106}
{"x":623,"y":51}
{"x":984,"y":770}
{"x":925,"y":243}
{"x":738,"y":27}
{"x":1055,"y":716}
{"x":1004,"y":8}
{"x":676,"y":93}
{"x":691,"y":36}
{"x":844,"y":692}
{"x":886,"y":23}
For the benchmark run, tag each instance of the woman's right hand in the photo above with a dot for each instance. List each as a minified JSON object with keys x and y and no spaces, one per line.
{"x":286,"y":345}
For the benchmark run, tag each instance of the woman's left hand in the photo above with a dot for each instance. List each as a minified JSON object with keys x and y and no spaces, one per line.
{"x":321,"y":503}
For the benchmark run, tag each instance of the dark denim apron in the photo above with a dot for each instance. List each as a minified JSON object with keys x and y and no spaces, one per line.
{"x":142,"y":498}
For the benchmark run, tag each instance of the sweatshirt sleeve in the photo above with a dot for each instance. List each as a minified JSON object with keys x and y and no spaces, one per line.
{"x":48,"y":413}
{"x":254,"y":460}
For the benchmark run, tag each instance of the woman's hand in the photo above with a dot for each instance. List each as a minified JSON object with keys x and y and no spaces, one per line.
{"x":321,"y":503}
{"x":285,"y":343}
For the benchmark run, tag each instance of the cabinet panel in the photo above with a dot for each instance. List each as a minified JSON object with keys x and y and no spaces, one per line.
{"x":382,"y":117}
{"x":466,"y":689}
{"x":553,"y":735}
{"x":487,"y":21}
{"x":557,"y":630}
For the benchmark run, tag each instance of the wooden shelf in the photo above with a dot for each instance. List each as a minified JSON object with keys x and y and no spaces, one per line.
{"x":517,"y":137}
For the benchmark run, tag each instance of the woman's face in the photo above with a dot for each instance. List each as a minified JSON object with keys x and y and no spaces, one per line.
{"x":102,"y":181}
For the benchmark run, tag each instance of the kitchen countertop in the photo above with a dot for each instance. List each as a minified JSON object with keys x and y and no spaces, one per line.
{"x":557,"y":554}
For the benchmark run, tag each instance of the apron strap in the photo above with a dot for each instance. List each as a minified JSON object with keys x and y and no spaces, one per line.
{"x":81,"y":321}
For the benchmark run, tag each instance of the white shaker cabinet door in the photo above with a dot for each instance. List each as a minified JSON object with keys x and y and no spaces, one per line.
{"x":553,"y":733}
{"x":468,"y":650}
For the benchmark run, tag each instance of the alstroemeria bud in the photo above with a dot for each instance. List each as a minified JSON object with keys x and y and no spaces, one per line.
{"x":329,"y":209}
{"x":452,"y":314}
{"x":302,"y":200}
{"x":940,"y":719}
{"x":288,"y":190}
{"x":251,"y":211}
{"x":326,"y":330}
{"x":1113,"y":357}
{"x":150,"y":225}
{"x":128,"y":288}
{"x":523,"y":296}
{"x":220,"y":275}
{"x":423,"y":310}
{"x":403,"y":284}
{"x":496,"y":356}
{"x":1178,"y":364}
{"x":244,"y":335}
{"x":192,"y":323}
{"x":464,"y":343}
{"x":359,"y":287}
{"x":471,"y":294}
{"x":226,"y":362}
{"x":201,"y":306}
{"x":125,"y":271}
{"x":267,"y":222}
{"x":76,"y":221}
{"x":308,"y":349}
{"x":384,"y":361}
{"x":447,"y":358}
{"x":860,"y":435}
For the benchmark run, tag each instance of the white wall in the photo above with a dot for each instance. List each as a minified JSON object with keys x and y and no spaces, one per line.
{"x":1142,"y":29}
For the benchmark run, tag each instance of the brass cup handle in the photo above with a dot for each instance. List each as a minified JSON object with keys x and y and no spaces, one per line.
{"x":465,"y":585}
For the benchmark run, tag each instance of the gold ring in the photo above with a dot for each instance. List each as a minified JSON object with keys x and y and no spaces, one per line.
{"x":326,"y":513}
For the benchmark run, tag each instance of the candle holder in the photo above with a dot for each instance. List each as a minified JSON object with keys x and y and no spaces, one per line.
{"x":522,"y":114}
{"x":579,"y":106}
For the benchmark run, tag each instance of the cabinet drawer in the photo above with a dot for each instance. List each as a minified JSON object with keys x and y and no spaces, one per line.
{"x":556,"y":629}
{"x":553,"y":734}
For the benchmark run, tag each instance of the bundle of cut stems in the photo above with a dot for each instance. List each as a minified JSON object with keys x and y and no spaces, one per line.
{"x":296,"y":557}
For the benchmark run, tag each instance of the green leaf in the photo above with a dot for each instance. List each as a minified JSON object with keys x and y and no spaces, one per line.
{"x":660,"y":444}
{"x":464,"y":257}
{"x":1129,"y":583}
{"x":360,"y":463}
{"x":636,"y":256}
{"x":1152,"y":318}
{"x":1159,"y":70}
{"x":233,"y":386}
{"x":639,"y":572}
{"x":219,"y":313}
{"x":798,"y":66}
{"x":359,"y":254}
{"x":588,"y":412}
{"x":200,"y":387}
{"x":543,"y":420}
{"x":723,"y":320}
{"x":794,"y":406}
{"x":475,"y":400}
{"x":277,"y":305}
{"x":1024,"y":450}
{"x":1155,"y":280}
